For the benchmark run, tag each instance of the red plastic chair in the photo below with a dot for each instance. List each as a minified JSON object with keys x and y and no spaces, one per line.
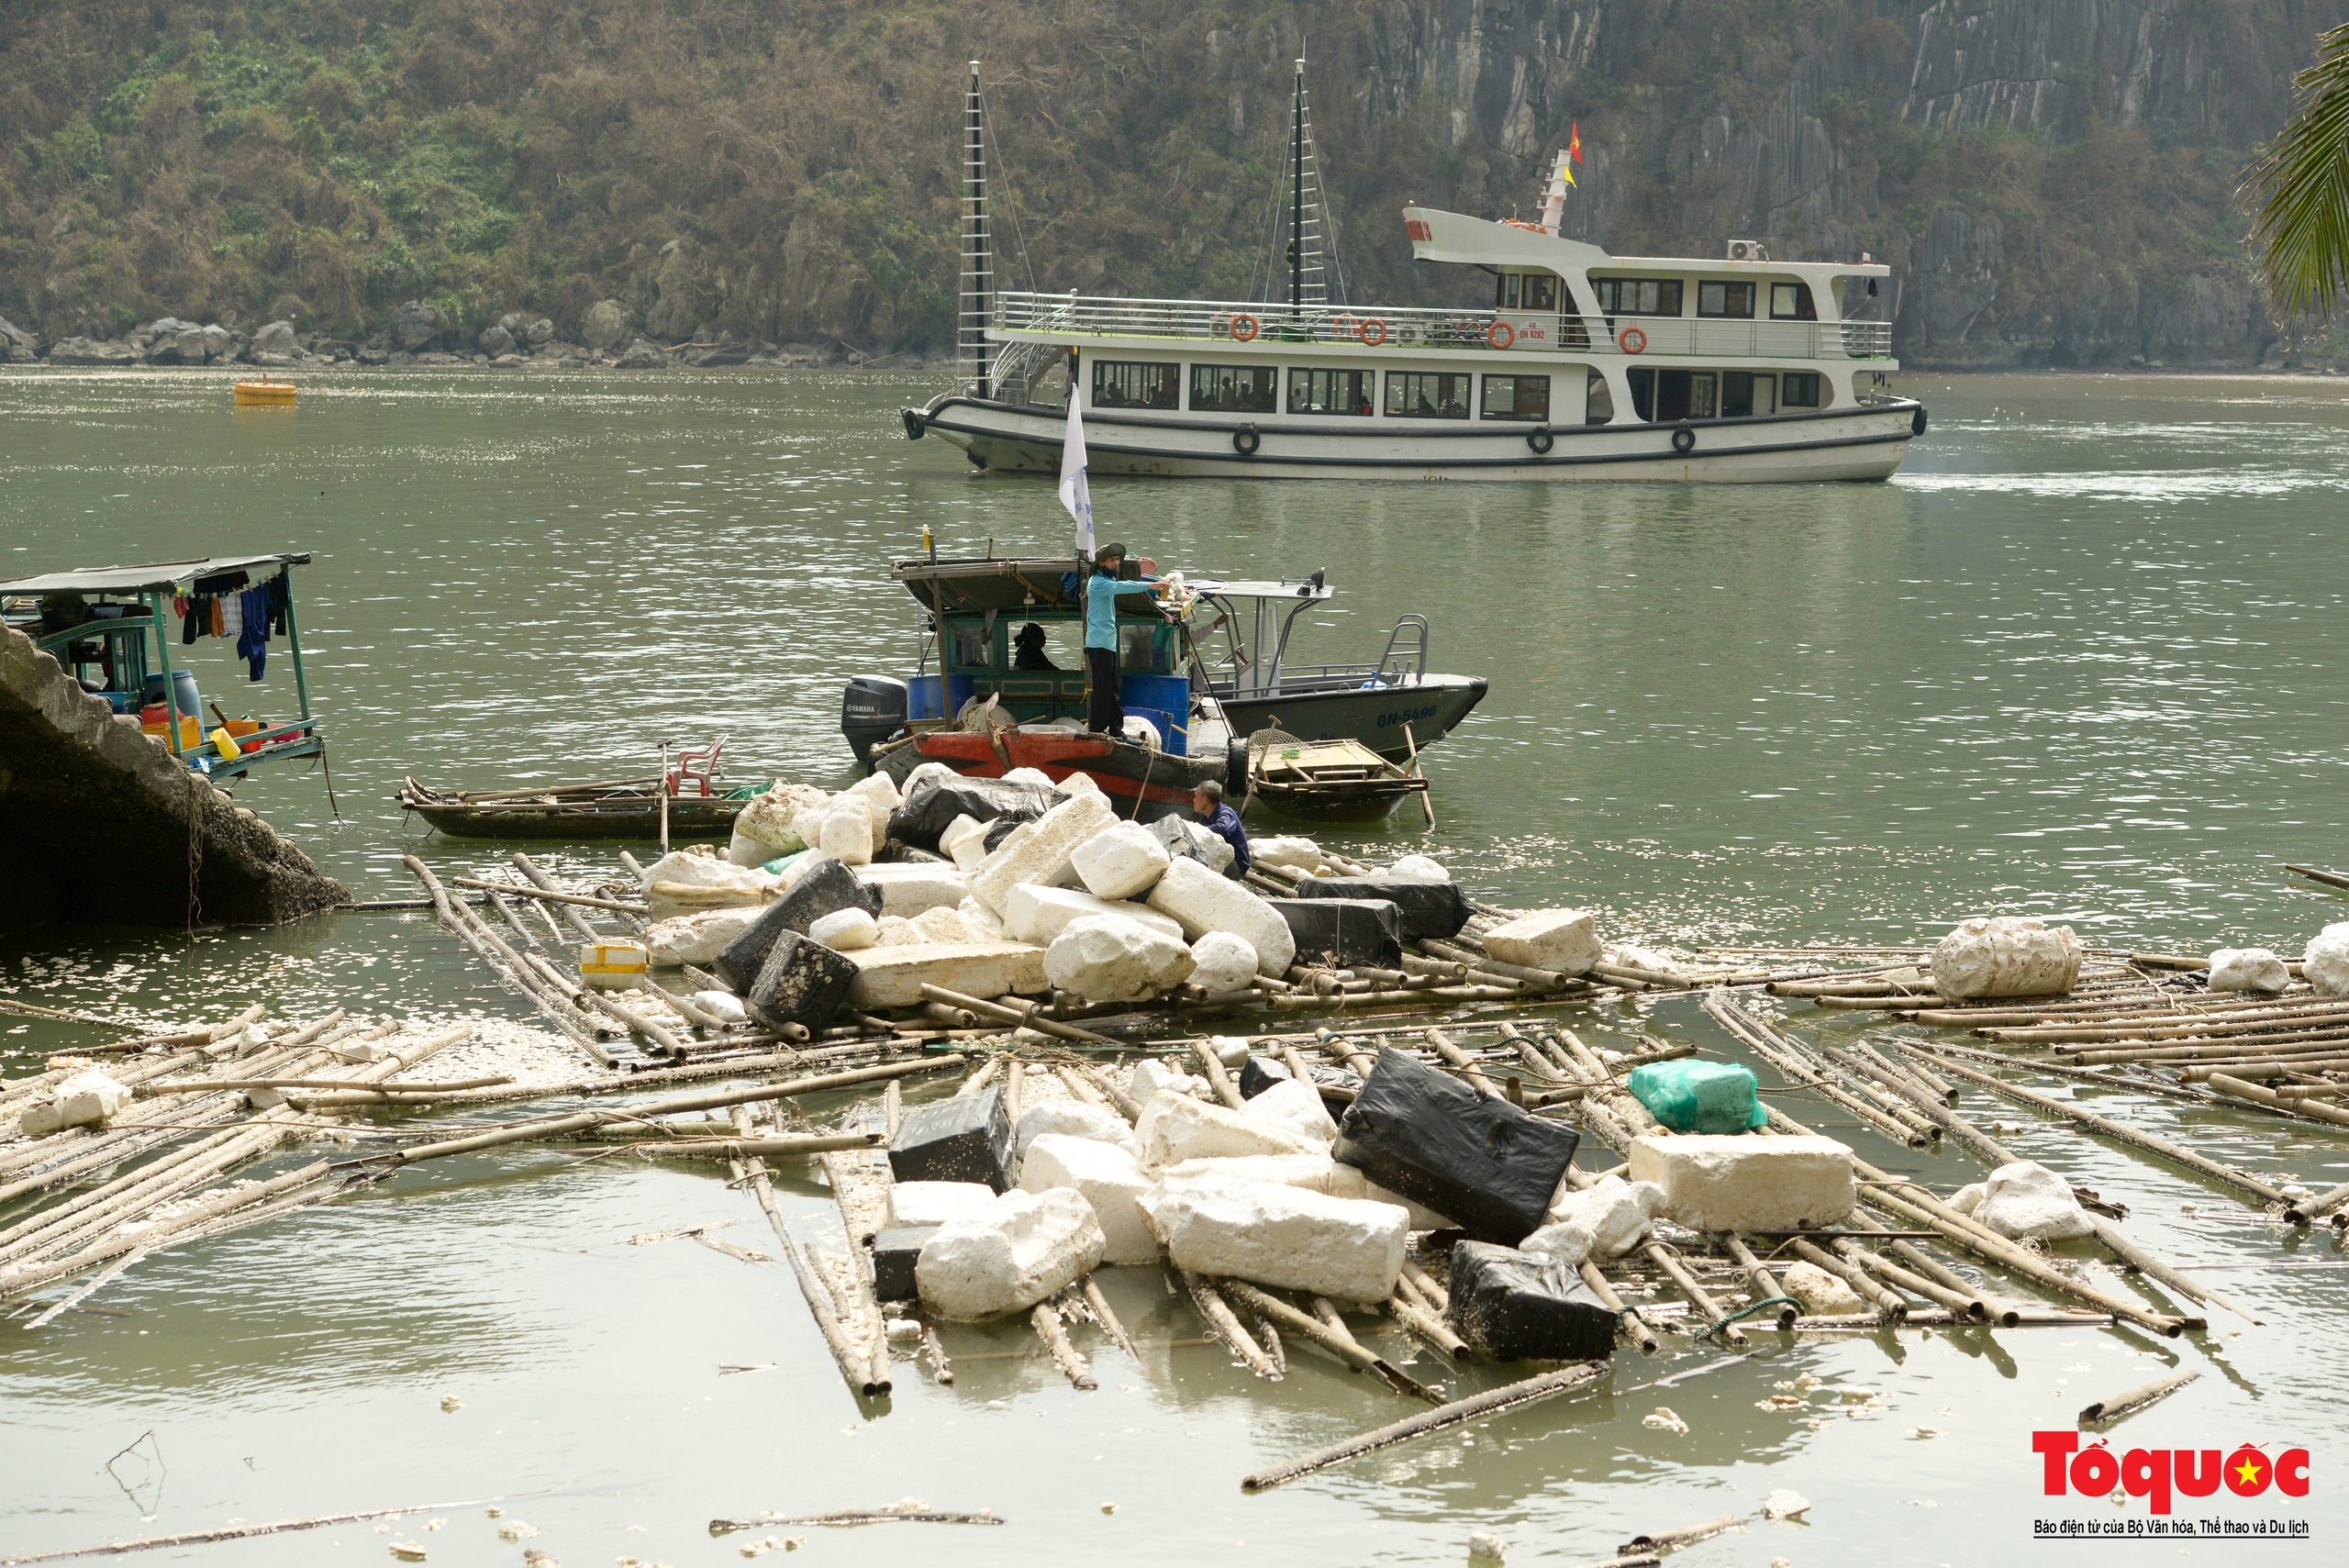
{"x":697,"y":766}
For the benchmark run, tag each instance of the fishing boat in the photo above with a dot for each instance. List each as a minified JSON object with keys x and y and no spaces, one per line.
{"x":1202,"y":670}
{"x":265,"y":393}
{"x":1581,"y":366}
{"x":625,"y":809}
{"x":1328,"y":781}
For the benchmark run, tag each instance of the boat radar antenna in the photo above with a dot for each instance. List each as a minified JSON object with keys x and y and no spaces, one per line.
{"x":1553,"y":201}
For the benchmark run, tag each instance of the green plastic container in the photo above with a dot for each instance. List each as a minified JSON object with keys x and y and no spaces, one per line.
{"x":777,"y":866}
{"x":1698,"y":1096}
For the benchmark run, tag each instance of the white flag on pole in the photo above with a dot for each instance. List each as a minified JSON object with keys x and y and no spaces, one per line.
{"x":1075,"y":493}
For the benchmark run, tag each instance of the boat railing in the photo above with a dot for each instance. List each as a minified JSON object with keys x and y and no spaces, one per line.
{"x":1406,"y":650}
{"x":1062,"y":316}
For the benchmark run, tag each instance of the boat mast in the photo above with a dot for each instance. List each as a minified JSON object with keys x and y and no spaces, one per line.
{"x":978,"y":260}
{"x":1307,"y":283}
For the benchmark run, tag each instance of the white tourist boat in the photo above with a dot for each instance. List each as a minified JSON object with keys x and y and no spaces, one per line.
{"x":1585,"y":366}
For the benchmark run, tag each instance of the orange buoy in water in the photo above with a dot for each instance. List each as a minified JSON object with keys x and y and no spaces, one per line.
{"x":265,"y":394}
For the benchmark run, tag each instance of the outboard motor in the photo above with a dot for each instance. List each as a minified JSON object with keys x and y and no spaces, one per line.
{"x":872,"y":709}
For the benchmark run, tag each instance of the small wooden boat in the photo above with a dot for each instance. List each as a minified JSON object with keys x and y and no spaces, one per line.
{"x":1326,"y":781}
{"x":265,"y":394}
{"x":625,"y":809}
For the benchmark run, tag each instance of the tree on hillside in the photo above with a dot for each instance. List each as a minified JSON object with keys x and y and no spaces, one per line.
{"x":2298,"y":190}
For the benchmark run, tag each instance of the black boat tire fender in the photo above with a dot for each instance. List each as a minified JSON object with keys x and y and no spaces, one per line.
{"x":1541,"y":439}
{"x":1684,"y":440}
{"x":915,"y":426}
{"x":1235,"y":768}
{"x":1246,"y":439}
{"x":1917,"y":421}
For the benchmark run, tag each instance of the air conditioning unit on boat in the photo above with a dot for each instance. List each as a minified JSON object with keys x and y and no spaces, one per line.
{"x":1748,"y":250}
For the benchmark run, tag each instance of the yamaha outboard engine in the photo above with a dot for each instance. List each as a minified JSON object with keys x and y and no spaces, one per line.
{"x":872,"y":709}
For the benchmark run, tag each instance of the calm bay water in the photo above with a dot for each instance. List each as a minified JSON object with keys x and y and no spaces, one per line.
{"x":2080,"y":660}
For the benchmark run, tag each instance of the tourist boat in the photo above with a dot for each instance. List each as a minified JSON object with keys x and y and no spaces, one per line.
{"x":1205,"y":671}
{"x":624,"y":808}
{"x":265,"y":393}
{"x":1582,"y":366}
{"x":114,"y":629}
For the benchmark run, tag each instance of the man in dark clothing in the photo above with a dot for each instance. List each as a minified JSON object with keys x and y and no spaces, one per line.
{"x":1223,"y":822}
{"x":1028,"y":649}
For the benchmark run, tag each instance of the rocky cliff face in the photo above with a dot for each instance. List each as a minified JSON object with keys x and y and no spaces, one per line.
{"x":2049,"y":179}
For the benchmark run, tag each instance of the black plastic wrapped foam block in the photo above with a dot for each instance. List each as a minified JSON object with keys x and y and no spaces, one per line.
{"x":926,"y":814}
{"x":1426,"y":909}
{"x":1259,"y":1074}
{"x":1514,"y":1307}
{"x":1483,"y":1164}
{"x":895,"y":1253}
{"x":1342,"y":932}
{"x":803,"y":982}
{"x":824,"y":887}
{"x":964,"y":1138}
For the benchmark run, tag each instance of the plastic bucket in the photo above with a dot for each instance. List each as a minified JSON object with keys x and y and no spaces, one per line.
{"x":183,"y":693}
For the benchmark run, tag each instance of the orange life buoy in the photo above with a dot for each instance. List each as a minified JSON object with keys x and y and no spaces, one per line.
{"x":1372,"y":333}
{"x":1500,"y":334}
{"x":1342,"y":325}
{"x":1245,"y":328}
{"x":1632,"y":341}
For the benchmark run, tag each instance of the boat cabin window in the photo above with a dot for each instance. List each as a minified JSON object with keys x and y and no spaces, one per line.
{"x":969,"y":645}
{"x":1131,"y":383}
{"x":1525,"y":290}
{"x":1332,"y":392}
{"x":1726,"y":299}
{"x":1798,"y":389}
{"x":1638,"y":297}
{"x":1146,"y":648}
{"x":1060,"y":648}
{"x":1516,"y":397}
{"x":1791,"y":302}
{"x":1598,"y":402}
{"x":1235,"y":389}
{"x":1434,"y":395}
{"x":1667,"y":398}
{"x":1745,"y":392}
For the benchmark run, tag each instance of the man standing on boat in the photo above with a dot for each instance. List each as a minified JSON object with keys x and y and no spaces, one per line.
{"x":1106,"y":715}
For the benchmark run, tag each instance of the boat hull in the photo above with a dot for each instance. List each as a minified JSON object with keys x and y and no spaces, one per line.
{"x":1865,"y":442}
{"x":1144,"y":785}
{"x":691,"y":820}
{"x":1369,"y":800}
{"x":1376,"y":715}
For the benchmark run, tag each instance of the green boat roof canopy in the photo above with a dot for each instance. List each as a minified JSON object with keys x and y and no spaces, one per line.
{"x":165,"y":577}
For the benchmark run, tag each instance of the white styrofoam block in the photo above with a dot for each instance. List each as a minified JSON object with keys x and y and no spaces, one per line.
{"x":1314,"y":1172}
{"x":745,"y":851}
{"x":1175,"y":1128}
{"x":1741,"y":1182}
{"x":1205,"y":901}
{"x":845,"y":930}
{"x":1417,"y":868}
{"x":1107,"y":958}
{"x":701,"y":866}
{"x":1221,"y":962}
{"x":1565,"y":941}
{"x":878,"y":793}
{"x":1605,"y":1219}
{"x":1023,"y":1248}
{"x":1072,"y":1117}
{"x":1287,"y":849}
{"x":1288,"y":1238}
{"x":1293,"y":1106}
{"x":1217,"y":855}
{"x":970,"y":851}
{"x":722,"y":1004}
{"x":770,"y":820}
{"x":1110,"y":1182}
{"x":914,"y":1204}
{"x":981,"y":922}
{"x":2248,"y":968}
{"x":1030,"y":776}
{"x":847,"y":831}
{"x":2325,"y":961}
{"x":1037,"y":915}
{"x":1041,"y":856}
{"x":1822,"y":1294}
{"x":962,"y":828}
{"x":2006,"y":955}
{"x":86,"y":1099}
{"x":1151,"y":1078}
{"x":698,"y":937}
{"x":908,"y":887}
{"x":2026,"y":1202}
{"x":1123,"y":861}
{"x":922,"y":777}
{"x":941,"y":924}
{"x":895,"y":931}
{"x":893,"y":976}
{"x":1079,"y":784}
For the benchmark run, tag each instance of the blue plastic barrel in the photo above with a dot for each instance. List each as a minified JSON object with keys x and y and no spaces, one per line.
{"x":184,"y":699}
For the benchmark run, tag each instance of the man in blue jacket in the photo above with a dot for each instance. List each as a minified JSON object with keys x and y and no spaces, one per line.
{"x":1106,"y":715}
{"x":1223,"y":822}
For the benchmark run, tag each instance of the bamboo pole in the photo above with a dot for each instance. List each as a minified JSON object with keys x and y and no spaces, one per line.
{"x":1221,"y":1081}
{"x":1979,"y":1303}
{"x":221,"y":1203}
{"x":1667,"y":1260}
{"x":1508,"y":1396}
{"x":582,"y":900}
{"x":1889,"y":1301}
{"x":853,"y":1364}
{"x":503,"y":961}
{"x":1027,"y":1012}
{"x":1337,"y":1342}
{"x":1635,"y":1328}
{"x":2130,"y":1401}
{"x":1054,"y":1333}
{"x":1760,"y":1280}
{"x":2257,"y":1094}
{"x":1226,"y":1326}
{"x":1109,"y":1323}
{"x":2145,"y":1260}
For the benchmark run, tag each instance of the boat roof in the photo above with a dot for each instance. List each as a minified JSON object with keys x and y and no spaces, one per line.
{"x":1440,"y":236}
{"x":169,"y":574}
{"x":999,"y":582}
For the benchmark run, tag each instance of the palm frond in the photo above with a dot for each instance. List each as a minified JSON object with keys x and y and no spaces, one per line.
{"x":2297,"y":188}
